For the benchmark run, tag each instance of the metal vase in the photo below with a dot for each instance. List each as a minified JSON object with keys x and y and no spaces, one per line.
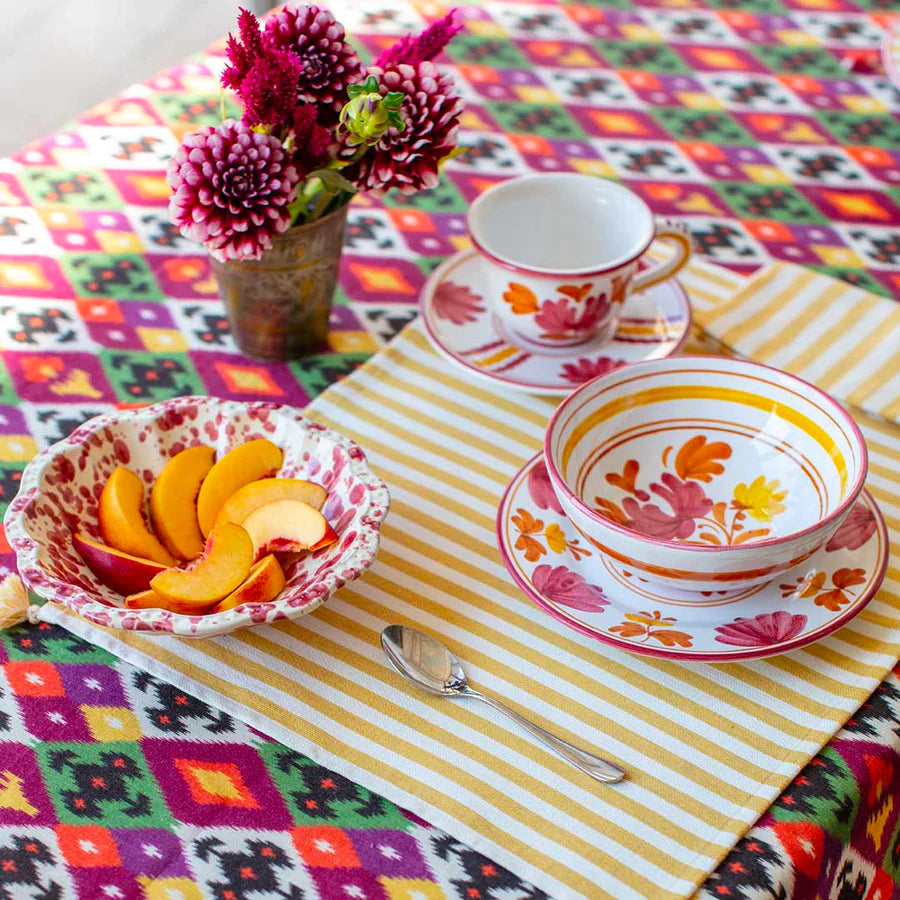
{"x":279,"y":305}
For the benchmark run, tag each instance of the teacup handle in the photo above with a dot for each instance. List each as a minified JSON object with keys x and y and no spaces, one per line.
{"x":678,"y":233}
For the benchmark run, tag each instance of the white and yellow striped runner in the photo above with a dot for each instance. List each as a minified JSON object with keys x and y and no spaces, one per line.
{"x":707,"y":747}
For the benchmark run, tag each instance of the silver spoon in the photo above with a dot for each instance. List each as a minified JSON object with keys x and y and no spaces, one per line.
{"x":428,"y":664}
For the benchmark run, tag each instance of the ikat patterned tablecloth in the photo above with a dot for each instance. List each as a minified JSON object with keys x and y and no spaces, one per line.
{"x":745,"y":119}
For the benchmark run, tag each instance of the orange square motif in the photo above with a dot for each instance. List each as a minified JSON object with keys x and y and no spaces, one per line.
{"x":325,"y":847}
{"x":87,"y":846}
{"x":34,"y":678}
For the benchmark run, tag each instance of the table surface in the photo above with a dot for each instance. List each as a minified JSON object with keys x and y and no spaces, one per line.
{"x":741,"y":118}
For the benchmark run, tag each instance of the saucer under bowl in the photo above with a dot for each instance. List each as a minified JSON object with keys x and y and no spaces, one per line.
{"x":704,"y":472}
{"x":592,"y":594}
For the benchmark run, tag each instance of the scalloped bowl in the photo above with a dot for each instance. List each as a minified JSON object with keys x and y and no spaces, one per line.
{"x":61,"y":485}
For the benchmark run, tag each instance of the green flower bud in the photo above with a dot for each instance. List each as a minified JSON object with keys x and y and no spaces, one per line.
{"x":367,"y":115}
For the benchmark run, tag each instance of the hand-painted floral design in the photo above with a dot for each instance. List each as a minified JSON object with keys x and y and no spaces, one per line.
{"x":763,"y":630}
{"x":532,"y":529}
{"x":761,"y":498}
{"x":585,"y":369}
{"x":568,"y":588}
{"x":644,"y":626}
{"x":692,"y":516}
{"x":832,"y":598}
{"x":576,"y":313}
{"x":541,"y":489}
{"x":456,"y":303}
{"x":855,"y":530}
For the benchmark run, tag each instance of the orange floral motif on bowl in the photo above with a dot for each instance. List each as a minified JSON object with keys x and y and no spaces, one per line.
{"x":694,"y":517}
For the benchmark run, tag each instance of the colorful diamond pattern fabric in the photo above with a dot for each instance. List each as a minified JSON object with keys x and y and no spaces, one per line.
{"x":742,"y":118}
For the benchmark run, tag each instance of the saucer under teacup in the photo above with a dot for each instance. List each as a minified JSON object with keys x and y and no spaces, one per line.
{"x":574,"y":582}
{"x":459,"y":323}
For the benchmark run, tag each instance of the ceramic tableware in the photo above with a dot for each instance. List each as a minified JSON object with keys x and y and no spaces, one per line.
{"x":59,"y":489}
{"x":704,"y":472}
{"x":593,"y":594}
{"x":428,"y":664}
{"x":560,"y":253}
{"x":461,"y":325}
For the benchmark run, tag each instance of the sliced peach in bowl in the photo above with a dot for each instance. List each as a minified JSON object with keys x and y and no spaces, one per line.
{"x":224,"y":564}
{"x":149,"y":599}
{"x":173,"y":501}
{"x":120,"y":571}
{"x":121,"y":518}
{"x":264,"y":583}
{"x":287,"y":526}
{"x":258,"y":493}
{"x":245,"y":463}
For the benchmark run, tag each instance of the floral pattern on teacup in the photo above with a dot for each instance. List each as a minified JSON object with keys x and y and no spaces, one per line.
{"x":692,"y":516}
{"x":576,"y":313}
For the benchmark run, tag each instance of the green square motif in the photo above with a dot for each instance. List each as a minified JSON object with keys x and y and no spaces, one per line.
{"x":119,"y":276}
{"x":46,"y":641}
{"x":195,"y":110}
{"x":138,"y":376}
{"x":825,"y":793}
{"x":315,"y":795}
{"x":814,"y":61}
{"x":443,"y":198}
{"x":857,"y":277}
{"x":536,"y":118}
{"x":863,"y":129}
{"x":498,"y":53}
{"x":317,"y":372}
{"x":80,"y":190}
{"x":107,"y":782}
{"x":709,"y":126}
{"x":780,"y":202}
{"x":647,"y":55}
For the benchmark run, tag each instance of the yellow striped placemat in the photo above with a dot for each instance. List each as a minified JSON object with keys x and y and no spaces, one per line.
{"x":708,"y":747}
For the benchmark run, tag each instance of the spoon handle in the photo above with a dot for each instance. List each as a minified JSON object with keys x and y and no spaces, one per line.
{"x":592,"y":765}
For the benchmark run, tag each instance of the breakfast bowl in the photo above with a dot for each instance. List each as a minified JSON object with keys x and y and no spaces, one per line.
{"x":54,"y":524}
{"x":704,"y":473}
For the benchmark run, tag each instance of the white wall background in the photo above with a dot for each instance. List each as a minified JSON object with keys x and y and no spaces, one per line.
{"x":60,"y":57}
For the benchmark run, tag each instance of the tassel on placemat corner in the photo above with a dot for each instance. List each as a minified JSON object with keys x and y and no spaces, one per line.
{"x":15,"y":605}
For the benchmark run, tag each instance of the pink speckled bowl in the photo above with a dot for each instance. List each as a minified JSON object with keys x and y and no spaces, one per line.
{"x":61,"y":485}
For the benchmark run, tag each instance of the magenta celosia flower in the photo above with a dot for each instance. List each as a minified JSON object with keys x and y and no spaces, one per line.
{"x":408,"y":159}
{"x":264,"y":77}
{"x":424,"y":47}
{"x":330,"y":64}
{"x":232,"y":187}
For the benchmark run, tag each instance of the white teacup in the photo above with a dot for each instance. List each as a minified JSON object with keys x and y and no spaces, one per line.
{"x":561,"y":252}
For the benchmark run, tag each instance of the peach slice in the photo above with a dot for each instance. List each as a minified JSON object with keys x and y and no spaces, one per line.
{"x":173,"y":508}
{"x":287,"y":526}
{"x":149,"y":599}
{"x":246,"y":463}
{"x":264,"y":583}
{"x":223,"y":566}
{"x":121,"y":521}
{"x":258,"y":493}
{"x":120,"y":571}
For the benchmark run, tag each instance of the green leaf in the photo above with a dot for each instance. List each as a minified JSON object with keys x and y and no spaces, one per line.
{"x":333,"y":181}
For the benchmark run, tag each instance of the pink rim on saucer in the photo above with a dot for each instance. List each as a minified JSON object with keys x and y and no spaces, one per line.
{"x":458,"y":321}
{"x":576,"y":584}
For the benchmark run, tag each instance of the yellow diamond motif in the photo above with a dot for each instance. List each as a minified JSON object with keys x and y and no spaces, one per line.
{"x":698,"y":100}
{"x":22,"y":275}
{"x":216,"y":783}
{"x":162,"y":340}
{"x":411,"y":889}
{"x":838,"y":256}
{"x":636,"y":32}
{"x":766,"y":174}
{"x":169,"y":888}
{"x":592,"y":167}
{"x":118,"y":241}
{"x":534,"y":94}
{"x":111,"y":723}
{"x":861,"y":103}
{"x":796,"y":38}
{"x":17,"y":448}
{"x":151,"y":187}
{"x":352,"y":342}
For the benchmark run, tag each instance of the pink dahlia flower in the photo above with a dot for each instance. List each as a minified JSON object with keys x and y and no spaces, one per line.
{"x":330,"y":64}
{"x":232,"y":187}
{"x":408,"y":159}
